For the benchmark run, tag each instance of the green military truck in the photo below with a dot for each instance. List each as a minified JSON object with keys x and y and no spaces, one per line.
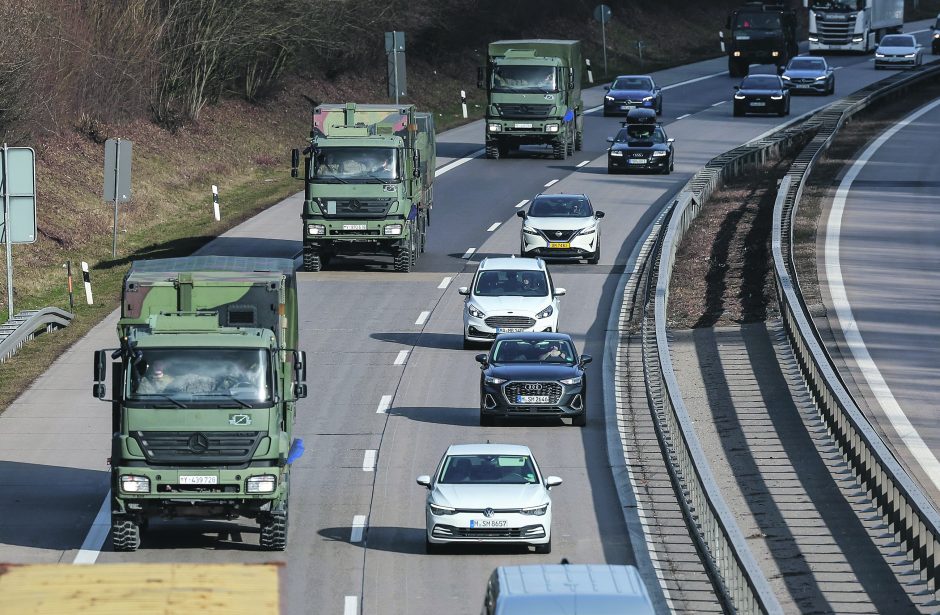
{"x":533,"y":96}
{"x":204,"y":386}
{"x":368,"y":175}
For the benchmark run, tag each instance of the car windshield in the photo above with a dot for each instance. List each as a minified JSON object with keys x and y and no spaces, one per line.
{"x":761,"y":83}
{"x":532,"y":351}
{"x":513,"y":282}
{"x":561,"y":207}
{"x":488,"y":470}
{"x":757,"y":21}
{"x":511,"y":78}
{"x":632,"y":83}
{"x":807,"y":64}
{"x":228,"y":377}
{"x":897,"y":41}
{"x":356,"y":165}
{"x":641,"y":133}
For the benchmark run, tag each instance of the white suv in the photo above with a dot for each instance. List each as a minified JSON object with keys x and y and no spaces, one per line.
{"x":509,"y":295}
{"x":561,"y":226}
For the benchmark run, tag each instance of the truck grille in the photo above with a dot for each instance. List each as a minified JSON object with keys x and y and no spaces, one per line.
{"x":510,"y":322}
{"x":521,"y":111}
{"x":205,"y":447}
{"x":354,"y":208}
{"x":552,"y":389}
{"x":835,"y":32}
{"x":559,"y":235}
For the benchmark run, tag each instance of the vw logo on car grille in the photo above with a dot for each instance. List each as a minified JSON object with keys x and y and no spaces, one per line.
{"x":198,"y":443}
{"x":488,"y":512}
{"x":532,"y":387}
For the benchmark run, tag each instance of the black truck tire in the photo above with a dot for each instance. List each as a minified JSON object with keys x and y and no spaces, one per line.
{"x":492,"y":151}
{"x":125,"y":534}
{"x":312,"y":259}
{"x":578,"y":140}
{"x":274,"y":531}
{"x":404,"y":258}
{"x":558,"y":151}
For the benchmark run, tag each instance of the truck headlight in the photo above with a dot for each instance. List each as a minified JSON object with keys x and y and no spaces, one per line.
{"x":264,"y":483}
{"x":775,"y":54}
{"x":135,"y":484}
{"x":737,"y":54}
{"x":316,"y":229}
{"x":858,"y":39}
{"x":659,"y":153}
{"x":495,"y":127}
{"x":494,"y":380}
{"x":441,"y":510}
{"x":473,"y":311}
{"x":546,"y":312}
{"x":551,"y":127}
{"x":538,"y":511}
{"x":392,"y":229}
{"x":814,"y":39}
{"x":615,"y":152}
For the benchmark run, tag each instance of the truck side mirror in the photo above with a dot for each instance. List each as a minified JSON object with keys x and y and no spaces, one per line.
{"x":481,"y":74}
{"x":294,"y":161}
{"x":571,"y":83}
{"x":300,"y":390}
{"x":300,"y":374}
{"x":100,"y":368}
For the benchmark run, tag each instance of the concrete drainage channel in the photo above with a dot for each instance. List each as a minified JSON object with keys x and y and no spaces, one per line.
{"x":737,"y":583}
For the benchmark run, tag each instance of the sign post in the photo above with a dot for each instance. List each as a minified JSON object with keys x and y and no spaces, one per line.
{"x":117,"y":178}
{"x":18,"y":185}
{"x":395,"y":50}
{"x":602,"y":14}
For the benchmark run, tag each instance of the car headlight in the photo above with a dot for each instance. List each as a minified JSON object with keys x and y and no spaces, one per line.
{"x":265,"y":483}
{"x":587,"y":231}
{"x":529,"y":231}
{"x":936,"y":34}
{"x":571,"y":381}
{"x":609,"y":98}
{"x":910,"y":55}
{"x":135,"y":484}
{"x":551,"y":127}
{"x":647,"y":98}
{"x":777,"y":97}
{"x":441,"y":510}
{"x":615,"y":152}
{"x":784,"y":77}
{"x":821,"y":78}
{"x":739,"y":96}
{"x":775,"y":53}
{"x":879,"y":55}
{"x":392,"y":229}
{"x":493,"y":380}
{"x":316,"y":229}
{"x":660,"y":153}
{"x":535,"y":510}
{"x":473,"y":311}
{"x":495,"y":127}
{"x":546,"y":312}
{"x":737,"y":54}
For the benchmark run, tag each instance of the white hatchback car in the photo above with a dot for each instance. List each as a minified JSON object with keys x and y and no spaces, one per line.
{"x":561,"y":226}
{"x":898,"y":50}
{"x":509,"y":295}
{"x":488,"y":493}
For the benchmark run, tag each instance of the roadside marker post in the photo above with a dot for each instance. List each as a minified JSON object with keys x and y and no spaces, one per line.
{"x":68,"y":274}
{"x":215,"y":203}
{"x":463,"y":103}
{"x":590,"y":74}
{"x":86,"y":278}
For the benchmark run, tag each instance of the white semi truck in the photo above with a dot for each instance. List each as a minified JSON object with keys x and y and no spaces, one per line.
{"x":852,"y":25}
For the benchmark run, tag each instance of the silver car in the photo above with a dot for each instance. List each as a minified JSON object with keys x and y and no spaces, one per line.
{"x":898,"y":50}
{"x":488,"y":493}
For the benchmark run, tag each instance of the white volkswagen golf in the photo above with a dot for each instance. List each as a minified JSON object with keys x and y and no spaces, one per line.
{"x":493,"y":493}
{"x":509,"y":295}
{"x":561,"y":226}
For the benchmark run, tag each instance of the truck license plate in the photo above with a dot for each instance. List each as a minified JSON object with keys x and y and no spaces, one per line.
{"x":559,"y":244}
{"x":354,"y":227}
{"x":522,"y":126}
{"x":199,"y":480}
{"x":532,"y":399}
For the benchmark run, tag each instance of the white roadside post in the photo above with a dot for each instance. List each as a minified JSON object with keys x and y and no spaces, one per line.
{"x":463,"y":103}
{"x":215,"y":203}
{"x":86,"y":278}
{"x":721,"y":38}
{"x":590,"y":74}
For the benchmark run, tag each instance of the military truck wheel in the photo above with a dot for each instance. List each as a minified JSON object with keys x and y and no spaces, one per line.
{"x":404,"y":259}
{"x":558,"y":151}
{"x":274,"y":531}
{"x":423,"y":234}
{"x":312,"y":261}
{"x":125,"y":534}
{"x":492,"y":151}
{"x":578,"y":141}
{"x":569,"y":146}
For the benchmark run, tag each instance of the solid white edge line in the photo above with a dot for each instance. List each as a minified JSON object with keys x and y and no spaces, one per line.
{"x":493,"y":228}
{"x":402,"y":357}
{"x":422,"y":317}
{"x":368,"y":460}
{"x":457,"y":163}
{"x":351,"y":605}
{"x":853,"y":337}
{"x":445,"y":282}
{"x":97,"y":534}
{"x":521,"y":203}
{"x":384,"y":404}
{"x":682,"y":117}
{"x":581,"y":164}
{"x":696,"y":80}
{"x":720,"y":102}
{"x":358,"y":528}
{"x":468,"y":253}
{"x":552,"y":183}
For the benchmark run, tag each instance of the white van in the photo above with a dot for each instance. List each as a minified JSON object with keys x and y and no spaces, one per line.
{"x":566,"y":589}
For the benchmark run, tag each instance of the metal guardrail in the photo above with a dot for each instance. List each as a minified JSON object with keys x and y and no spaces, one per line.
{"x":902,"y":504}
{"x":25,"y":325}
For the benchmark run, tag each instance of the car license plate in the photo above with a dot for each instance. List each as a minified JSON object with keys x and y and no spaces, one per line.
{"x":355,"y":227}
{"x":532,"y":399}
{"x":509,"y":329}
{"x":522,"y":125}
{"x":758,"y":104}
{"x":559,"y":244}
{"x":803,"y":86}
{"x":488,"y":523}
{"x":199,"y":480}
{"x":638,"y":161}
{"x":627,"y":107}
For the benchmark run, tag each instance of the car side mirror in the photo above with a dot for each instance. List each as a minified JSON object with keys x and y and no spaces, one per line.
{"x":610,"y":139}
{"x":737,"y":87}
{"x":552,"y":481}
{"x":598,"y":214}
{"x":586,"y":358}
{"x":463,"y":290}
{"x":670,"y":140}
{"x":560,"y":292}
{"x":481,"y":359}
{"x":521,"y":214}
{"x":606,"y":88}
{"x":424,"y":480}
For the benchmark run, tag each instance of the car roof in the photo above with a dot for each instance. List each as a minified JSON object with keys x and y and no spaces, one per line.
{"x":488,"y":449}
{"x":633,"y":77}
{"x":575,"y":579}
{"x":504,"y":262}
{"x":549,"y":195}
{"x":533,"y":335}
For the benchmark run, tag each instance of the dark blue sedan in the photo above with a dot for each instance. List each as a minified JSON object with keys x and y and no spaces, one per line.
{"x":629,"y":92}
{"x":761,"y":94}
{"x":805,"y":74}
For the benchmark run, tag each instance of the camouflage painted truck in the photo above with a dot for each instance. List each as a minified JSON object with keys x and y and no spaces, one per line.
{"x":368,"y":175}
{"x":533,"y":96}
{"x":203,"y":386}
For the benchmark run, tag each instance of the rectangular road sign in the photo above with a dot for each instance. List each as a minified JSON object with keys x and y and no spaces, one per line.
{"x":117,"y":170}
{"x":18,"y":180}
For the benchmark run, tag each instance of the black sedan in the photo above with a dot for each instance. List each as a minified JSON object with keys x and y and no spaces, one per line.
{"x":533,"y":374}
{"x":629,"y":92}
{"x":804,"y":74}
{"x":761,"y":94}
{"x":641,"y":147}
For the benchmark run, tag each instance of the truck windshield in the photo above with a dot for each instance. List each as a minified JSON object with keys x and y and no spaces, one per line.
{"x":356,"y":165}
{"x":757,"y":21}
{"x":187,"y":377}
{"x":836,"y":5}
{"x":514,"y":78}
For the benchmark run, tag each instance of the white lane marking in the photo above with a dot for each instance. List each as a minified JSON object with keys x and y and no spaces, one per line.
{"x":521,"y":203}
{"x":721,"y":102}
{"x":581,"y":164}
{"x":97,"y":534}
{"x":351,"y":605}
{"x":853,"y":337}
{"x":402,"y":357}
{"x":682,"y":117}
{"x":696,"y":80}
{"x":358,"y":528}
{"x":552,"y":183}
{"x":422,"y":317}
{"x":836,"y":68}
{"x":493,"y":228}
{"x":384,"y":404}
{"x":457,"y":163}
{"x":445,"y":282}
{"x":468,"y":253}
{"x":368,"y":460}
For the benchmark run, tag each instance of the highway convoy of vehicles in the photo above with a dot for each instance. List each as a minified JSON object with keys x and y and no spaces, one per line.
{"x":204,"y":386}
{"x":368,"y":175}
{"x":761,"y":33}
{"x":533,"y":96}
{"x":852,"y":25}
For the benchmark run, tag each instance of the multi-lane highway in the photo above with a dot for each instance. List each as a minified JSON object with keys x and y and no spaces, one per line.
{"x":390,"y":386}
